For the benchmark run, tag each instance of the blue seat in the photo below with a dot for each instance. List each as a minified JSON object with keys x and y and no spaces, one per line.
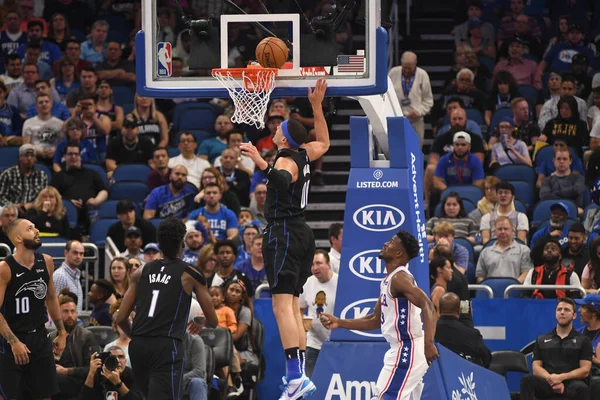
{"x":194,"y":115}
{"x":541,"y":211}
{"x":54,"y":251}
{"x":498,"y":116}
{"x":127,"y":108}
{"x":46,"y":170}
{"x":470,"y":192}
{"x":469,"y":206}
{"x":470,"y":274}
{"x":132,"y":172}
{"x":466,"y":244}
{"x":134,"y":191}
{"x":519,"y":206}
{"x":100,"y":171}
{"x":71,"y":212}
{"x":173,"y":151}
{"x":123,"y":95}
{"x":487,"y":62}
{"x":474,"y":115}
{"x":79,"y":35}
{"x":156,"y":221}
{"x":524,"y":192}
{"x":530,"y":93}
{"x":99,"y":230}
{"x":587,"y":197}
{"x":498,"y":286}
{"x":108,"y":209}
{"x":544,"y":154}
{"x":511,"y":173}
{"x":9,"y":156}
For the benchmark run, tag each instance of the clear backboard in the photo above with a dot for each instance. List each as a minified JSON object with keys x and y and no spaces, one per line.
{"x":341,"y":40}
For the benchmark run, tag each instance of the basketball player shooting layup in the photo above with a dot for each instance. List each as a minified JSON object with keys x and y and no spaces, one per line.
{"x":288,"y":242}
{"x":26,"y":290}
{"x":398,"y":313}
{"x":162,"y":295}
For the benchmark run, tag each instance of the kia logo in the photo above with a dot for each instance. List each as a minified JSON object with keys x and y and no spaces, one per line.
{"x":367,"y":265}
{"x":378,"y":217}
{"x":358,"y":309}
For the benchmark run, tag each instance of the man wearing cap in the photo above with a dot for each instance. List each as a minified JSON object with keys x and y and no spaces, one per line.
{"x":127,"y":218}
{"x":563,"y":184}
{"x":589,"y":314}
{"x":461,"y":32}
{"x":560,"y":56}
{"x":133,"y":244}
{"x":556,"y":229}
{"x":21,"y":183}
{"x":508,"y":25}
{"x":525,"y":71}
{"x":583,"y":82}
{"x":562,"y":360}
{"x":550,"y":109}
{"x":195,"y":165}
{"x":213,"y":147}
{"x":151,"y":253}
{"x":576,"y":254}
{"x":266,"y":143}
{"x":129,"y":148}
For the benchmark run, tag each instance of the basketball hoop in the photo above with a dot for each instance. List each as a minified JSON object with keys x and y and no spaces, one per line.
{"x":250,"y":88}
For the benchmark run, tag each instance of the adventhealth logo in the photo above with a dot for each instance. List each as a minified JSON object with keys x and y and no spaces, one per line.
{"x":359,"y":309}
{"x":367,"y":265}
{"x":349,"y":390}
{"x":378,"y":217}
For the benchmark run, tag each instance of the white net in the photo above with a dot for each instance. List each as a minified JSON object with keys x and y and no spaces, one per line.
{"x":250,"y":95}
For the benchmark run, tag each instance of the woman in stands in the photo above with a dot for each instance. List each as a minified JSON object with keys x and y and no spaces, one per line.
{"x":66,"y":79}
{"x":120,"y":270}
{"x":561,"y":35}
{"x":207,"y":261}
{"x":49,"y":215}
{"x":229,"y":199}
{"x":481,"y":45}
{"x":152,"y":123}
{"x":453,"y":211}
{"x":509,"y":149}
{"x":504,"y":89}
{"x":248,"y":234}
{"x":567,"y":126}
{"x":123,"y":340}
{"x":440,"y":273}
{"x":59,"y":32}
{"x":488,"y":201}
{"x":590,"y":278}
{"x":135,"y":264}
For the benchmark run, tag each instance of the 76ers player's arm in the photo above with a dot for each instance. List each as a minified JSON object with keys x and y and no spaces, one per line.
{"x":404,"y":285}
{"x":121,"y":318}
{"x":367,"y":323}
{"x":19,"y":349}
{"x":54,"y":310}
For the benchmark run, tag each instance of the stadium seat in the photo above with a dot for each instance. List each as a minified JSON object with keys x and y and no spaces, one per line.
{"x":587,"y":197}
{"x":132,"y":173}
{"x":498,"y":116}
{"x":99,"y":170}
{"x":135,"y":191}
{"x":103,"y":334}
{"x":253,"y":372}
{"x":541,"y":211}
{"x":524,"y":192}
{"x":127,"y":108}
{"x":466,"y":244}
{"x":210,"y":363}
{"x":498,"y":285}
{"x":108,"y":209}
{"x":470,"y":192}
{"x":99,"y":230}
{"x":487,"y":62}
{"x":221,"y":342}
{"x":9,"y":156}
{"x":474,"y":115}
{"x":510,"y":361}
{"x":173,"y":151}
{"x":123,"y":95}
{"x":520,"y":207}
{"x":155,"y":221}
{"x":513,"y":173}
{"x":194,"y":115}
{"x":469,"y":206}
{"x":71,"y":212}
{"x":57,"y":250}
{"x":46,"y":170}
{"x":530,"y":93}
{"x":471,"y":272}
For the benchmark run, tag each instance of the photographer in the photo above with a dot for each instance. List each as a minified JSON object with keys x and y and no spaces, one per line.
{"x":103,"y":380}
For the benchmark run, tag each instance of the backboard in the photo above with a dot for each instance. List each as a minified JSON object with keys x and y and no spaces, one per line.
{"x":341,"y":40}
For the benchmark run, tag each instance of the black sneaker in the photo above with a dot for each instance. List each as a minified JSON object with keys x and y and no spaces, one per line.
{"x":237,"y":383}
{"x":317,"y":179}
{"x":232,"y":392}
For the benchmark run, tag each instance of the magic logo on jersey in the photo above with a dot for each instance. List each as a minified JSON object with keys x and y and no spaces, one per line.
{"x":38,"y":287}
{"x":164,"y":67}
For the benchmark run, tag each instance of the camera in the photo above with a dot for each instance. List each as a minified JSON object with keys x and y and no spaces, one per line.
{"x":108,"y":360}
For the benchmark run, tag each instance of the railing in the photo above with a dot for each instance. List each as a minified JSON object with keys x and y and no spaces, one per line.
{"x":5,"y":247}
{"x":394,"y":37}
{"x":259,"y":289}
{"x":484,"y":288}
{"x":408,"y":4}
{"x":542,"y":287}
{"x":110,"y":251}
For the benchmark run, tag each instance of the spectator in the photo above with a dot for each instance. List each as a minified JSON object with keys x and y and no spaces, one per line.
{"x":73,"y":53}
{"x":49,"y":215}
{"x":94,"y":49}
{"x":560,"y":365}
{"x":26,"y":11}
{"x":461,"y":31}
{"x":43,"y":131}
{"x":254,"y":266}
{"x":23,"y":95}
{"x":129,"y":148}
{"x":13,"y":76}
{"x":551,"y":91}
{"x":259,"y":176}
{"x":440,"y":274}
{"x":120,"y":381}
{"x":487,"y":202}
{"x":21,"y":183}
{"x":213,"y":147}
{"x":120,"y":267}
{"x":457,"y":337}
{"x":10,"y":122}
{"x":561,"y":34}
{"x":244,"y":163}
{"x":226,"y":253}
{"x":526,"y":128}
{"x":133,"y":248}
{"x":172,"y":200}
{"x":114,"y":69}
{"x":257,"y":207}
{"x":195,"y":165}
{"x":78,"y":14}
{"x":583,"y":82}
{"x":453,"y":211}
{"x":151,"y":253}
{"x":590,"y":281}
{"x":68,"y":276}
{"x":552,"y":272}
{"x":152,"y":122}
{"x":195,"y":237}
{"x":444,"y":234}
{"x":481,"y":45}
{"x":32,"y":55}
{"x":415,"y":103}
{"x":207,"y":261}
{"x":74,"y":131}
{"x":266,"y":144}
{"x":72,"y":365}
{"x":548,"y":167}
{"x":509,"y":150}
{"x":237,"y":180}
{"x":66,"y":79}
{"x":161,"y":172}
{"x":563,"y":184}
{"x":594,"y":114}
{"x":560,"y":56}
{"x":466,"y":90}
{"x":504,"y":88}
{"x":166,"y":25}
{"x":223,"y":222}
{"x":136,"y":264}
{"x":557,"y":228}
{"x":11,"y":36}
{"x":194,"y":370}
{"x":89,"y":80}
{"x":59,"y":31}
{"x":576,"y":255}
{"x":532,"y":44}
{"x":123,"y":340}
{"x":453,"y":104}
{"x":105,"y":106}
{"x":506,"y":258}
{"x":99,"y":293}
{"x":228,"y":199}
{"x":550,"y":108}
{"x":508,"y":25}
{"x":249,"y":232}
{"x":505,"y":207}
{"x":97,"y":125}
{"x":49,"y":52}
{"x":318,"y":297}
{"x":589,"y":313}
{"x":9,"y":213}
{"x":127,"y":217}
{"x":567,"y":126}
{"x":336,"y":231}
{"x":57,"y":109}
{"x":80,"y":185}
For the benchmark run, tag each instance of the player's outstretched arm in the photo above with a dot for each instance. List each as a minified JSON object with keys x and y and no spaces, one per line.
{"x":405,"y":285}
{"x":204,"y":299}
{"x":122,"y":317}
{"x":53,"y":307}
{"x":316,"y":149}
{"x":367,"y":323}
{"x":19,"y":349}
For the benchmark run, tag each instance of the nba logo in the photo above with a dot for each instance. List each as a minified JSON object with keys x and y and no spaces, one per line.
{"x":164,"y":64}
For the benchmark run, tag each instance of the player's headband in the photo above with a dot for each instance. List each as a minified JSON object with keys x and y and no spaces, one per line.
{"x":286,"y":133}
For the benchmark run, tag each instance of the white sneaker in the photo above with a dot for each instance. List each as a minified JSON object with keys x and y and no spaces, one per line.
{"x":295,"y":389}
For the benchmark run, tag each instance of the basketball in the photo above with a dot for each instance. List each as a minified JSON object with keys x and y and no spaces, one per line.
{"x":271,"y":52}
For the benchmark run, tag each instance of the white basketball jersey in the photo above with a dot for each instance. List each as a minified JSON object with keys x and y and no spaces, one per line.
{"x":400,"y":319}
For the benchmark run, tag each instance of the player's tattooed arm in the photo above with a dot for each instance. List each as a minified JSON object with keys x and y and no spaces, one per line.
{"x":5,"y":330}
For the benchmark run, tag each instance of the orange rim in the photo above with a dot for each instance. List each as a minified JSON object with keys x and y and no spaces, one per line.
{"x":251,"y":72}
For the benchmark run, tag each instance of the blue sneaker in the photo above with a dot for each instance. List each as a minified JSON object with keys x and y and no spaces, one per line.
{"x":296,"y":389}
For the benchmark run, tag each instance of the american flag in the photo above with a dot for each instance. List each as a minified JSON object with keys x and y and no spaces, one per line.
{"x":351,"y":64}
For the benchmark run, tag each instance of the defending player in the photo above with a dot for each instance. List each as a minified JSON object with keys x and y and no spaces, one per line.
{"x":288,"y":242}
{"x":162,"y":295}
{"x":398,"y":313}
{"x":26,"y":291}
